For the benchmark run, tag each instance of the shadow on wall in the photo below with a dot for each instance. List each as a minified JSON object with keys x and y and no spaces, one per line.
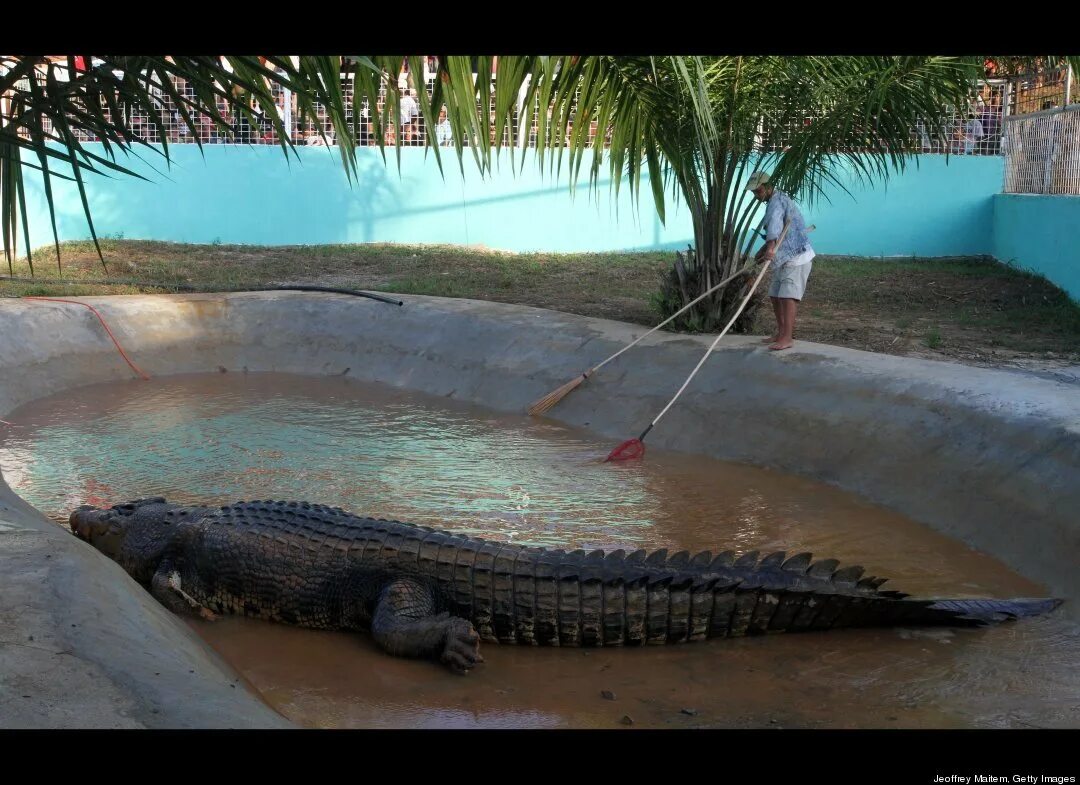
{"x":256,"y":196}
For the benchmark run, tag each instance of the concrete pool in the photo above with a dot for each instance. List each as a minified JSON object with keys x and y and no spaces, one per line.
{"x":987,"y":458}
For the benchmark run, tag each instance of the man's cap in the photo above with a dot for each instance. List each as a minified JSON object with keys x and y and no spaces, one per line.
{"x":757,"y":179}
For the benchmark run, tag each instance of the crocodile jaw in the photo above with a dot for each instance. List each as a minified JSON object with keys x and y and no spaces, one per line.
{"x":100,"y":528}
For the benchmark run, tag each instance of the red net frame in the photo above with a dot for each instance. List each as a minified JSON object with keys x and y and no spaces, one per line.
{"x":629,"y":450}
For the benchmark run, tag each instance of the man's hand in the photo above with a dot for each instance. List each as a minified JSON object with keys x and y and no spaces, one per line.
{"x":768,"y":251}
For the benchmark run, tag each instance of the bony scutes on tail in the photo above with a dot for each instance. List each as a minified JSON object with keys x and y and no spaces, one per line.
{"x":429,"y":593}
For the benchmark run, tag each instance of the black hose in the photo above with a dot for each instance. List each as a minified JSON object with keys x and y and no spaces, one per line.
{"x":186,"y":288}
{"x":332,"y":290}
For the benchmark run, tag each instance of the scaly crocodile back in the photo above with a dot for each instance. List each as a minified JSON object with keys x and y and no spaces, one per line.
{"x":535,"y":596}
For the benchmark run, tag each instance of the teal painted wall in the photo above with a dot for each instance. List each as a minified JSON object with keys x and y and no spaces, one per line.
{"x":255,"y":195}
{"x":935,"y":208}
{"x":1041,"y":234}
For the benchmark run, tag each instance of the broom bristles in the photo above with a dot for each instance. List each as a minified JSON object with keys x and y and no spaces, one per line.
{"x":553,"y":397}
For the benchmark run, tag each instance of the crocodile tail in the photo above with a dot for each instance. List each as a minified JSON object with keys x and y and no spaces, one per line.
{"x":949,"y":613}
{"x":994,"y":611}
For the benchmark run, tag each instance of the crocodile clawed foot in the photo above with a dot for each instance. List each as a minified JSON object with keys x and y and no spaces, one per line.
{"x":461,"y":650}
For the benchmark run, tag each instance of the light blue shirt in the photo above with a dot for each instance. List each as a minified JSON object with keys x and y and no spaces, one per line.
{"x":443,"y":134}
{"x":780,"y":208}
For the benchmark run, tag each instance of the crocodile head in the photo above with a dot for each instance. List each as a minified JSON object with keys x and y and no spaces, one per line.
{"x":134,"y":533}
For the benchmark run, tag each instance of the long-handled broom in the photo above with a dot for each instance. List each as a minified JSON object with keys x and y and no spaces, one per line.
{"x":542,"y":405}
{"x":635,"y":448}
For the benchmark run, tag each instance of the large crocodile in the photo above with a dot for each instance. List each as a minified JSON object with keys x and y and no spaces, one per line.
{"x":424,"y":592}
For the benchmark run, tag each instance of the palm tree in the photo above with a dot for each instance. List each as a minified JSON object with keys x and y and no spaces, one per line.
{"x":50,"y":107}
{"x":699,"y":126}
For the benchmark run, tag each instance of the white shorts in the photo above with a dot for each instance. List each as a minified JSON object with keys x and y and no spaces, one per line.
{"x":789,"y":280}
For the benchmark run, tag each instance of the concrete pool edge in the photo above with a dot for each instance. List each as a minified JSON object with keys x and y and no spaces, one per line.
{"x":992,"y":456}
{"x":89,"y":648}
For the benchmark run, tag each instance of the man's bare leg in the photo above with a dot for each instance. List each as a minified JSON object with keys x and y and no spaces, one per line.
{"x":786,"y":340}
{"x":778,"y":312}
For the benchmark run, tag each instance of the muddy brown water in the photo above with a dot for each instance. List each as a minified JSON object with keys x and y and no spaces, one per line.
{"x":374,"y":450}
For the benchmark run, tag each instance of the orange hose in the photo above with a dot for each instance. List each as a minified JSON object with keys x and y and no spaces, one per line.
{"x":119,"y":348}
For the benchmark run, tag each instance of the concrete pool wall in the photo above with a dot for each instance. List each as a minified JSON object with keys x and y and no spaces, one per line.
{"x":989,"y":457}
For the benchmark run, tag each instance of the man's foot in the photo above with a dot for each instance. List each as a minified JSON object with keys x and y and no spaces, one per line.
{"x":781,"y":345}
{"x":771,"y":339}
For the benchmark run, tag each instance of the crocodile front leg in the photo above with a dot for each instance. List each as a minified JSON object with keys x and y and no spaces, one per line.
{"x":165,"y":586}
{"x":405,"y":624}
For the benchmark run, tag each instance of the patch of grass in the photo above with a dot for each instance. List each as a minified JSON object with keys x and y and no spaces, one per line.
{"x":966,"y":309}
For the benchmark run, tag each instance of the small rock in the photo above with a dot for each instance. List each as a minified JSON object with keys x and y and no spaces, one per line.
{"x":890,"y":718}
{"x":30,"y":638}
{"x":626,"y":720}
{"x":156,"y":673}
{"x":607,"y":695}
{"x":690,"y":712}
{"x":773,"y":722}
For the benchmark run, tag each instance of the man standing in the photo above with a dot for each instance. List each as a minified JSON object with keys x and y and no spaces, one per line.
{"x":409,"y":110}
{"x":791,"y":261}
{"x":443,"y":133}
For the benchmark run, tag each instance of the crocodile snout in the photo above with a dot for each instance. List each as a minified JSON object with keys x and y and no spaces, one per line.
{"x":82,"y":520}
{"x":101,"y":528}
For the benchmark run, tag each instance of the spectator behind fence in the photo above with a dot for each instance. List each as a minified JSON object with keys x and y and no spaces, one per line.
{"x":443,"y":135}
{"x":924,"y":137}
{"x":409,"y":110}
{"x":972,"y":132}
{"x":205,"y":127}
{"x":990,"y":117}
{"x":365,"y":125}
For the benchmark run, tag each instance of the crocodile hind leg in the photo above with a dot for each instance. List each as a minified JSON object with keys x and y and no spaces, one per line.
{"x":165,"y":586}
{"x":405,"y":624}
